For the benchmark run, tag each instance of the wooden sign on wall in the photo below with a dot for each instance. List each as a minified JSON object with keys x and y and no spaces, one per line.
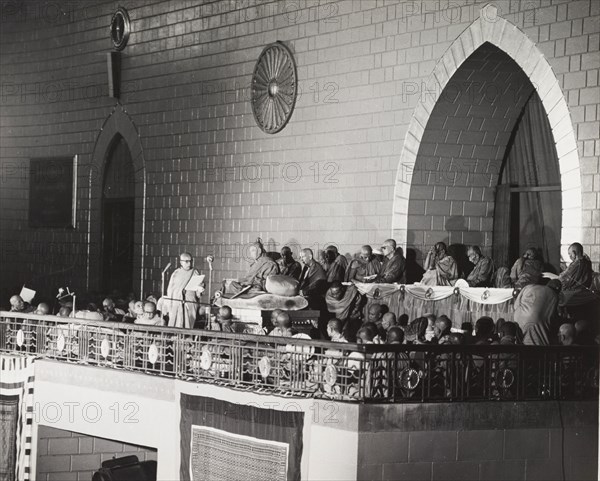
{"x":52,"y":188}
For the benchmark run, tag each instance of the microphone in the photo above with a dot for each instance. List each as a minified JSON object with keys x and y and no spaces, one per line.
{"x":167,"y":267}
{"x":210,"y":260}
{"x":60,"y":292}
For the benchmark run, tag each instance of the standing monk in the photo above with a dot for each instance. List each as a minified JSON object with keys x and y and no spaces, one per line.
{"x":181,"y":305}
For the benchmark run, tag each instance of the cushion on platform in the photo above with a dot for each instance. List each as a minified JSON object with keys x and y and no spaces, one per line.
{"x":282,"y":285}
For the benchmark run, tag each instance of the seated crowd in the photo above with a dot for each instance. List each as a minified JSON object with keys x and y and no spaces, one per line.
{"x":329,"y":286}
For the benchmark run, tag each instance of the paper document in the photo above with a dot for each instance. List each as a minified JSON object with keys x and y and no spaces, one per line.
{"x":549,"y":275}
{"x":195,"y":283}
{"x":27,"y":294}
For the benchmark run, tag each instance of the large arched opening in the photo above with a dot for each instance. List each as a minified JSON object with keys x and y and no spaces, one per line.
{"x":117,"y":202}
{"x":469,"y":118}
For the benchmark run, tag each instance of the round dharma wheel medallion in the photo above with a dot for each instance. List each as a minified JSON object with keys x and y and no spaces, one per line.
{"x":274,"y":88}
{"x":485,"y":295}
{"x":205,"y":359}
{"x":264,"y":366}
{"x":505,"y":378}
{"x":409,"y":379}
{"x":153,"y":354}
{"x":330,"y":375}
{"x":60,"y":343}
{"x":104,"y":348}
{"x":20,"y":337}
{"x":429,"y":293}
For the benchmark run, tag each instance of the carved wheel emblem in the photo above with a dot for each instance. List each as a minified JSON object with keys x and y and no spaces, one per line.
{"x":330,"y":375}
{"x":274,"y":88}
{"x":376,"y":293}
{"x":264,"y":366}
{"x":104,"y":348}
{"x":485,"y":295}
{"x":205,"y":359}
{"x":409,"y":379}
{"x":429,"y":293}
{"x":120,"y":27}
{"x":505,"y":378}
{"x":20,"y":337}
{"x":60,"y":343}
{"x":153,"y":354}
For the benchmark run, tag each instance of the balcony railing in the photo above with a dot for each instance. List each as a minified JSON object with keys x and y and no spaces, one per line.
{"x":296,"y":367}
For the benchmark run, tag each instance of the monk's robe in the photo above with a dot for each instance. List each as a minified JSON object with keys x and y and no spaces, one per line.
{"x":313,"y":280}
{"x":180,"y":314}
{"x":337,"y":269}
{"x":578,"y":275}
{"x":346,"y":307}
{"x":260,"y":269}
{"x":292,"y":269}
{"x":481,"y":275}
{"x":525,"y":272}
{"x":392,"y":269}
{"x":536,"y":313}
{"x":359,"y":269}
{"x":445,"y":273}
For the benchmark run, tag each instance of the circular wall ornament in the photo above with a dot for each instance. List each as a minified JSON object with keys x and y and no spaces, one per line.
{"x":120,"y":28}
{"x":274,"y":88}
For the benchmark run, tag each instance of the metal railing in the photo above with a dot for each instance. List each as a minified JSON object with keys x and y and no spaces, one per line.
{"x":296,"y":367}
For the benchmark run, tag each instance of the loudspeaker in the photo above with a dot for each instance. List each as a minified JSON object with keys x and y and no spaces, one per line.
{"x":113,"y":64}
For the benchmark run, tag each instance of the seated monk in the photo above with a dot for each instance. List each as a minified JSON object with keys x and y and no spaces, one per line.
{"x":481,"y":275}
{"x":288,"y":266}
{"x":260,"y":268}
{"x":393,"y":267}
{"x":527,"y":269}
{"x":345,"y":303}
{"x":578,"y":276}
{"x":313,"y":280}
{"x":337,"y":264}
{"x":440,"y":268}
{"x":367,"y":265}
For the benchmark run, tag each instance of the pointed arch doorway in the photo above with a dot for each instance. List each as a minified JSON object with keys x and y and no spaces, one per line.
{"x":117,"y":208}
{"x":118,"y":217}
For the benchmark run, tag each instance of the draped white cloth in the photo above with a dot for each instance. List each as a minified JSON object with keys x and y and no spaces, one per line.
{"x":482,"y":295}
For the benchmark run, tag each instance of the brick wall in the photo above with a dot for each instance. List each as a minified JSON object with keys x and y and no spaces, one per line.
{"x":531,"y":441}
{"x":68,"y":456}
{"x":328,"y":177}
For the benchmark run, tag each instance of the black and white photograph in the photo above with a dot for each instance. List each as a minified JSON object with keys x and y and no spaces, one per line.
{"x":299,"y":240}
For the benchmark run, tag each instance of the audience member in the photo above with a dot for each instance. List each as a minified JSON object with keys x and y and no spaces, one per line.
{"x":261,"y":267}
{"x":388,"y":320}
{"x":149,"y":316}
{"x":334,"y":331}
{"x":42,"y":309}
{"x":484,"y":331}
{"x":284,"y":326}
{"x":395,"y":335}
{"x":18,"y":305}
{"x":441,"y":327}
{"x":567,"y":334}
{"x":366,"y":266}
{"x":337,"y":264}
{"x":578,"y":276}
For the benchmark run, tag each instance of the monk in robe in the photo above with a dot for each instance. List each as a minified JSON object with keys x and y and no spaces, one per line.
{"x":393,"y":267}
{"x":288,"y":266}
{"x":261,"y":267}
{"x":536,"y":312}
{"x":527,"y":269}
{"x":345,"y":303}
{"x":367,"y":265}
{"x":481,"y":275}
{"x":578,"y":276}
{"x":182,"y":305}
{"x":440,"y":268}
{"x":337,"y":265}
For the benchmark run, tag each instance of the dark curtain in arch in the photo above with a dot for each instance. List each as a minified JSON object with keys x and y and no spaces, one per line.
{"x":531,"y":162}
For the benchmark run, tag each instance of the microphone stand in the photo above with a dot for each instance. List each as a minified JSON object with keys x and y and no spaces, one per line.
{"x":210,"y":260}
